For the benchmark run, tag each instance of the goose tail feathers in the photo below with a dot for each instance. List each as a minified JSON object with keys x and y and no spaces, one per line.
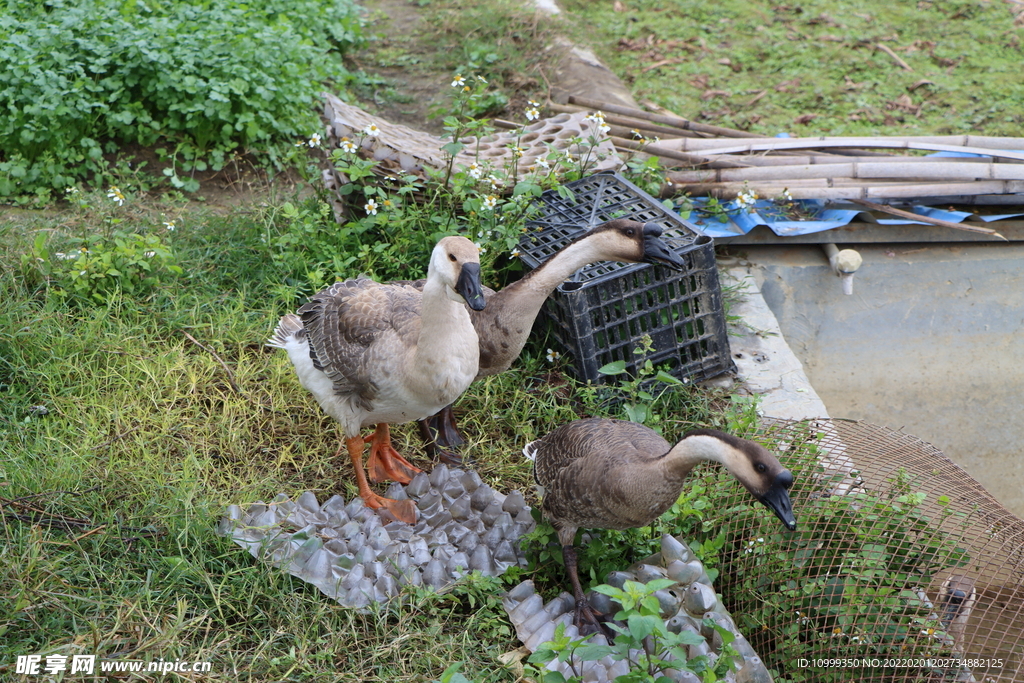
{"x":289,"y":328}
{"x":530,"y":450}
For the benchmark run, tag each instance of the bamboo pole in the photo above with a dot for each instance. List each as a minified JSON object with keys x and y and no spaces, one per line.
{"x":720,"y":146}
{"x":628,"y":122}
{"x":691,"y":159}
{"x":673,"y":121}
{"x":811,"y":189}
{"x":927,"y":219}
{"x":928,"y":172}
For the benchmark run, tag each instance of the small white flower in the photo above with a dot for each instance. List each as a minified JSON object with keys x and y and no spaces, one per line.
{"x":597,"y":117}
{"x":490,"y":203}
{"x":747,"y":199}
{"x":482,"y":250}
{"x":371,"y":207}
{"x":494,"y":181}
{"x":348,"y":146}
{"x":372,"y":130}
{"x":300,"y":143}
{"x":149,"y":254}
{"x":517,"y":151}
{"x":516,"y":253}
{"x":553,"y":356}
{"x":786,"y":196}
{"x":458,"y":82}
{"x":532,"y":114}
{"x":475,"y":171}
{"x":314,"y":140}
{"x":169,"y":225}
{"x":543,"y":163}
{"x":71,"y":190}
{"x":115,"y":194}
{"x":532,"y":103}
{"x":760,"y":540}
{"x":482,"y":79}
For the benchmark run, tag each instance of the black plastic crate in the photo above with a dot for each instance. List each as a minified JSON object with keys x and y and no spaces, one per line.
{"x":602,"y":312}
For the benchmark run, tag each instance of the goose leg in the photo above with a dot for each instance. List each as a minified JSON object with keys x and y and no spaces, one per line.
{"x":404,"y":510}
{"x":587,"y":620}
{"x":440,"y":434}
{"x":385,"y":462}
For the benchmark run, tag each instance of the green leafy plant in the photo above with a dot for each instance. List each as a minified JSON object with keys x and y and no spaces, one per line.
{"x":96,"y":268}
{"x":824,"y":593}
{"x":642,"y":638}
{"x":399,"y":217}
{"x":639,"y":390}
{"x":206,"y":79}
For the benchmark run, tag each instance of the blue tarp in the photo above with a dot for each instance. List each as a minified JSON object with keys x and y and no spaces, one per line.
{"x":821,"y":218}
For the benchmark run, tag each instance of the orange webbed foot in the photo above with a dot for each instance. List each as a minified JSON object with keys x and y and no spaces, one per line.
{"x":385,"y":462}
{"x":403,"y":510}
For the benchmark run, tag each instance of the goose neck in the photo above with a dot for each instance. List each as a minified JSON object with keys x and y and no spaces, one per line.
{"x":564,"y":263}
{"x":689,"y":453}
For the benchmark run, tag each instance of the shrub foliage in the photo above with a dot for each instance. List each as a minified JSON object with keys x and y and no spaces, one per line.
{"x":85,"y":77}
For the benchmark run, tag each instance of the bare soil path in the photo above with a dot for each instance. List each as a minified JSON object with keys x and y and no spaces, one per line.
{"x":403,"y":57}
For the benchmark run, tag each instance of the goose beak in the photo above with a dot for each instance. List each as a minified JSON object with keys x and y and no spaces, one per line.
{"x":469,"y":287}
{"x":656,"y":251}
{"x":776,"y":499}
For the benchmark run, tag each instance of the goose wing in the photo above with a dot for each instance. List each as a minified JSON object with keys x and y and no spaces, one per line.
{"x":358,"y":326}
{"x":583,"y":468}
{"x":593,"y":445}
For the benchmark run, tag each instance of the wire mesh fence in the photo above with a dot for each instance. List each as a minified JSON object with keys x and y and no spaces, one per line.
{"x":903,"y":568}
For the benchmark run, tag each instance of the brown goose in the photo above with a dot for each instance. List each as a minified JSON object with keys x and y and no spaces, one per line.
{"x":373,"y":353}
{"x":612,"y":474}
{"x":504,"y":325}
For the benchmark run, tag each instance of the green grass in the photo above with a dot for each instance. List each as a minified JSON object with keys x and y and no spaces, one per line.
{"x":145,"y":441}
{"x":761,"y":66}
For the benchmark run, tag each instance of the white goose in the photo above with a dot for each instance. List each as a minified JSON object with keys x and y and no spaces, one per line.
{"x":504,"y":326}
{"x":373,"y":353}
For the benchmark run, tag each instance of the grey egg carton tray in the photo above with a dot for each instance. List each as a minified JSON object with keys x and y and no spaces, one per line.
{"x":684,"y":606}
{"x":357,"y":555}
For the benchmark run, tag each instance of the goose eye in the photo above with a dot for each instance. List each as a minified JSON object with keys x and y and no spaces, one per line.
{"x":761,"y":467}
{"x":629,"y":231}
{"x":451,"y":257}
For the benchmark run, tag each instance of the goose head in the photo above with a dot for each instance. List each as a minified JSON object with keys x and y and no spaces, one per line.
{"x":753,"y":465}
{"x":625,"y":240}
{"x":455,"y":262}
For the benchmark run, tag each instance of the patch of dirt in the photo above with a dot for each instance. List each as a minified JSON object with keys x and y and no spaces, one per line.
{"x":403,"y":57}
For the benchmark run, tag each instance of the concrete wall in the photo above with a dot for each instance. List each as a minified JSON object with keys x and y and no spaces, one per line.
{"x":931,"y":341}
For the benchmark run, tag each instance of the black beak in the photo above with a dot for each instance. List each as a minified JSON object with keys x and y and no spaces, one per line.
{"x":954,"y":601}
{"x":469,"y":286}
{"x":776,"y":499}
{"x":656,"y":251}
